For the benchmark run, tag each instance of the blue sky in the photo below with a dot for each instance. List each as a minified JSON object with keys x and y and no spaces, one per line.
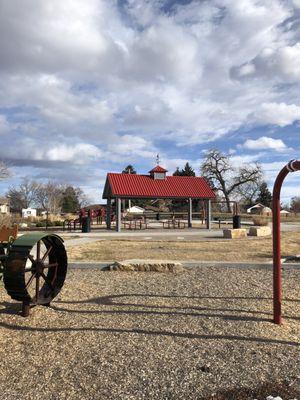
{"x":90,"y":86}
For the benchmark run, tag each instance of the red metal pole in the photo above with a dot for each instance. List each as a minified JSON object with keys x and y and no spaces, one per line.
{"x":292,"y":166}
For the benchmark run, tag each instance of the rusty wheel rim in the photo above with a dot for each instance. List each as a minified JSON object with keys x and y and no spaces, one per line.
{"x":36,"y":274}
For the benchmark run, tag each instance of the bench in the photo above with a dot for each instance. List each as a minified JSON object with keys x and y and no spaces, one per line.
{"x":173,"y":224}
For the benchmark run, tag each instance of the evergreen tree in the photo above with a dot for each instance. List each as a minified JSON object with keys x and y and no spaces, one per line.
{"x":129,"y":170}
{"x":70,"y":202}
{"x":187,"y":170}
{"x":177,"y":172}
{"x":264,"y":196}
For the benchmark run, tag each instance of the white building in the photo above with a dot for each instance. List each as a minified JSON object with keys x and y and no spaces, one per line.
{"x":135,"y":210}
{"x":284,"y":212}
{"x":28,"y":212}
{"x":259,"y":209}
{"x":4,"y":205}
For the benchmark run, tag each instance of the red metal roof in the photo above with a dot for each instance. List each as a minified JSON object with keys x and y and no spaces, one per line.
{"x":158,"y":168}
{"x":134,"y":185}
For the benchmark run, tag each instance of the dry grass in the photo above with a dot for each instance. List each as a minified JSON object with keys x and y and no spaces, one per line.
{"x":248,"y":249}
{"x":5,"y":220}
{"x":138,"y":336}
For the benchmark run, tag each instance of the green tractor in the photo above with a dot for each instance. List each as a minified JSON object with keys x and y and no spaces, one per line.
{"x":33,"y":266}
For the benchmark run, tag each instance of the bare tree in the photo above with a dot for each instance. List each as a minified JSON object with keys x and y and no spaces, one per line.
{"x":224,"y":177}
{"x":4,"y":171}
{"x":24,"y":195}
{"x":81,"y":197}
{"x":49,"y":196}
{"x":249,"y":192}
{"x":295,"y":204}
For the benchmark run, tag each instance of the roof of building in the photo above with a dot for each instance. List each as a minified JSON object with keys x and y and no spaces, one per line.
{"x":134,"y":209}
{"x":258,"y":205}
{"x":158,"y":168}
{"x":144,"y":186}
{"x":93,"y":207}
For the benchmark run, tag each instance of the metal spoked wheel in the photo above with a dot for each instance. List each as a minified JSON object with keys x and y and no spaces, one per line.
{"x":35,"y":268}
{"x":2,"y":257}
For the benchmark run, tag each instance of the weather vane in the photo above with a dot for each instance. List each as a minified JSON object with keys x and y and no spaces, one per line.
{"x":157,"y":159}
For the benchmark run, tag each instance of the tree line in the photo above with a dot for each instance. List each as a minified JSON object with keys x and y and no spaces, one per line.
{"x":49,"y":196}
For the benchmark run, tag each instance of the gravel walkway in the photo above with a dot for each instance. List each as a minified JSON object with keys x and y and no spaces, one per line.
{"x":116,"y":335}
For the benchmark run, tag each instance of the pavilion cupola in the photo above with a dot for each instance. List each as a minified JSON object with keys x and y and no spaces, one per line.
{"x":158,"y":173}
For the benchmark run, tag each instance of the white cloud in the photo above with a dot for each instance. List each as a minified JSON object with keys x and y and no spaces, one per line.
{"x":4,"y":126}
{"x":280,"y":114}
{"x":238,"y":160}
{"x":47,"y":153}
{"x":281,"y":62}
{"x":80,"y":153}
{"x":124,"y":77}
{"x":296,"y":3}
{"x":264,"y":143}
{"x":84,"y":71}
{"x":131,"y":146}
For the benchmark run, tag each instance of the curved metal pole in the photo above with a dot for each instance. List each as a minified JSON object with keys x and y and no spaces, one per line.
{"x":292,"y":166}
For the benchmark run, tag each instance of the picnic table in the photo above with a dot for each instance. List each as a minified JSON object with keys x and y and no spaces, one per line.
{"x":173,"y":224}
{"x":135,"y":224}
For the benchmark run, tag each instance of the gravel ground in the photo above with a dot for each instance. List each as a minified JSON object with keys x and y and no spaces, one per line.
{"x":135,"y":335}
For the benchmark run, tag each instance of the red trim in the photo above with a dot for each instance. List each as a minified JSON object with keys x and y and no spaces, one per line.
{"x":277,"y":279}
{"x":158,"y":168}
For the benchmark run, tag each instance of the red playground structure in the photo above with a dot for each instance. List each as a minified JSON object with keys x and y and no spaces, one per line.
{"x":292,"y":166}
{"x":96,"y":216}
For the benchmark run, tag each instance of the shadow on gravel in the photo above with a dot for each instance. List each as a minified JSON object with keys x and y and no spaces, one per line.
{"x":286,"y":390}
{"x":184,"y":335}
{"x":173,"y":311}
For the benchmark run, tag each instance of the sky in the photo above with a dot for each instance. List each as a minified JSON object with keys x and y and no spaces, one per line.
{"x":87,"y":87}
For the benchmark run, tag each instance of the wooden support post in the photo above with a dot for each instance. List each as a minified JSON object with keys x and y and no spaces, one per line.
{"x":108,"y":214}
{"x":208,"y":214}
{"x":190,"y":213}
{"x":118,"y":214}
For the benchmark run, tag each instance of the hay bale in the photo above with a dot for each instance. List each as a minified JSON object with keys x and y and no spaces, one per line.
{"x":234,"y":233}
{"x":260,"y":231}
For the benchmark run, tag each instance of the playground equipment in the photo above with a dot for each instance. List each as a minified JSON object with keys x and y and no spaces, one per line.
{"x":34,"y":267}
{"x":95,"y":216}
{"x":292,"y":166}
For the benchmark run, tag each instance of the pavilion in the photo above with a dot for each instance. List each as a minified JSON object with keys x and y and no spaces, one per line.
{"x":156,"y":185}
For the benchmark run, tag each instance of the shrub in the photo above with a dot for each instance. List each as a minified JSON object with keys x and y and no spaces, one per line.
{"x":58,"y":223}
{"x":260,"y":221}
{"x":43,"y":223}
